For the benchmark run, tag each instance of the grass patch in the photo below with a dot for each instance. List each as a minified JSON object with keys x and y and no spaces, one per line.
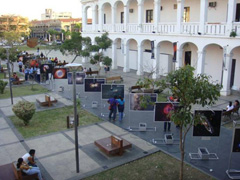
{"x":1,"y":75}
{"x":162,"y":97}
{"x":54,"y":120}
{"x":26,"y":48}
{"x":155,"y":167}
{"x":20,"y":90}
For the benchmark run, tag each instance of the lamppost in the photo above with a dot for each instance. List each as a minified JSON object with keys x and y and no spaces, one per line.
{"x":74,"y":67}
{"x":9,"y":76}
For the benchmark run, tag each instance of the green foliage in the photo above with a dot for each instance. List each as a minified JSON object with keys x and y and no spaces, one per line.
{"x":102,"y":44}
{"x":11,"y":37}
{"x":3,"y":84}
{"x":24,"y":110}
{"x":74,"y":46}
{"x":13,"y":52}
{"x":149,"y":83}
{"x":233,"y":34}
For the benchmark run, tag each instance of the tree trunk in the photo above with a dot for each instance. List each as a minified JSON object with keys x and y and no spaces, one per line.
{"x":74,"y":58}
{"x":182,"y":154}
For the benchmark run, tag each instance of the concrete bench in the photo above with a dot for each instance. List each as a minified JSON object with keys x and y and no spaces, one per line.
{"x":114,"y":79}
{"x":47,"y":101}
{"x":135,"y":89}
{"x":19,"y":175}
{"x":113,"y":145}
{"x":92,"y":73}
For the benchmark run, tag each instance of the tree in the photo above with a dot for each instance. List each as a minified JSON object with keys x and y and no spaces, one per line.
{"x":74,"y":46}
{"x":13,"y":52}
{"x":24,"y":110}
{"x":191,"y":90}
{"x":102,"y":44}
{"x":53,"y":33}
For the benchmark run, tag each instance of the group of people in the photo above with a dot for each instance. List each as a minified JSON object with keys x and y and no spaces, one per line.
{"x":231,"y":106}
{"x":116,"y":103}
{"x":28,"y":165}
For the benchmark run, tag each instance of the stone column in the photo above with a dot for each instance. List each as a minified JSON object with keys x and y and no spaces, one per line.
{"x":201,"y":62}
{"x":113,"y":18}
{"x":180,"y":6}
{"x":226,"y":75}
{"x":140,"y":17}
{"x":140,"y":60}
{"x":114,"y":55}
{"x":84,"y":17}
{"x":203,"y":15}
{"x":94,"y":18}
{"x":126,"y":17}
{"x":231,"y":16}
{"x":157,"y":6}
{"x":179,"y":62}
{"x":126,"y":57}
{"x":100,"y":21}
{"x":156,"y":63}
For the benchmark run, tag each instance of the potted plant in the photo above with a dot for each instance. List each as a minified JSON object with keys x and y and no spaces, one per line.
{"x":233,"y":34}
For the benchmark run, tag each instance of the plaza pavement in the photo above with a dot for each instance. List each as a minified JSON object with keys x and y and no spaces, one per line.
{"x":56,"y":154}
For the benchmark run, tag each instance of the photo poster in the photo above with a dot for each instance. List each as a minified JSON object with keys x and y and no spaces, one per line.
{"x":60,"y":73}
{"x":210,"y":124}
{"x":136,"y":98}
{"x":46,"y":68}
{"x":109,"y":91}
{"x":79,"y":78}
{"x":236,"y":141}
{"x":163,"y":111}
{"x":93,"y":85}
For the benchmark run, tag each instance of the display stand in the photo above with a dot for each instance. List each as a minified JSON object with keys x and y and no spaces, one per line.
{"x":233,"y":173}
{"x":167,"y":140}
{"x":142,"y":128}
{"x":203,"y":154}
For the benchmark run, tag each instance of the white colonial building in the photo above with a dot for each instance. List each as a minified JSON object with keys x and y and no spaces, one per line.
{"x":200,"y":28}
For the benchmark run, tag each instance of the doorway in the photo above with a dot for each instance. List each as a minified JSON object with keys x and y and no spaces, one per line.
{"x":232,"y":72}
{"x":188,"y":55}
{"x":186,"y":14}
{"x":238,"y":12}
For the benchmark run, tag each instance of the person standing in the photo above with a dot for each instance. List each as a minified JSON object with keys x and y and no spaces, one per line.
{"x":38,"y":75}
{"x":26,"y":72}
{"x":120,"y":104}
{"x":112,"y":108}
{"x":20,"y":64}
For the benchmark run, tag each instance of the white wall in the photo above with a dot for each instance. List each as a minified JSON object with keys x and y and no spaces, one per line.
{"x":133,"y":16}
{"x":119,"y":9}
{"x":133,"y":59}
{"x":213,"y":62}
{"x":166,"y":47}
{"x":165,"y":64}
{"x":194,"y":9}
{"x":194,"y":56}
{"x":236,"y":55}
{"x":168,"y":14}
{"x":120,"y":59}
{"x":148,"y":62}
{"x":108,"y":11}
{"x":148,"y":5}
{"x":219,"y":13}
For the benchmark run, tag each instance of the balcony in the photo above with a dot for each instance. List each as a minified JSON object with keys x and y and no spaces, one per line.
{"x":190,"y":28}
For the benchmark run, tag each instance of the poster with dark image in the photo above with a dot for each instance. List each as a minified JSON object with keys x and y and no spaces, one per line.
{"x":60,"y":73}
{"x":236,"y":141}
{"x":163,"y":111}
{"x":136,"y":101}
{"x":109,"y":91}
{"x":210,"y":123}
{"x":46,"y":68}
{"x":79,"y":78}
{"x":93,"y":85}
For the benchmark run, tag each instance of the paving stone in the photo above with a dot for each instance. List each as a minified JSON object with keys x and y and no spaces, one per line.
{"x":65,"y":101}
{"x":89,"y":134}
{"x":63,"y":166}
{"x":3,"y":123}
{"x":50,"y":144}
{"x":7,"y":102}
{"x":142,"y":144}
{"x":7,"y":136}
{"x":113,"y":128}
{"x":11,"y":152}
{"x":33,"y":98}
{"x":7,"y":111}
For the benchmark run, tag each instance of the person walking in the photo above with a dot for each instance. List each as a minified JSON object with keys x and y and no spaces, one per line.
{"x":120,"y":104}
{"x":112,"y":108}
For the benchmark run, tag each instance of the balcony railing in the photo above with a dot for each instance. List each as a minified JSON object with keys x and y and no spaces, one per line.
{"x":190,"y":28}
{"x":236,"y":28}
{"x":215,"y":28}
{"x":119,"y":27}
{"x":166,"y":28}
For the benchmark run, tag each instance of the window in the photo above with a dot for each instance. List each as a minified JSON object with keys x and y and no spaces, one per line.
{"x":104,"y":19}
{"x":186,"y":14}
{"x":122,"y":17}
{"x":149,"y":16}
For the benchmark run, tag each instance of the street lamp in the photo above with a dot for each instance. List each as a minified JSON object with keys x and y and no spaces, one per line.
{"x":8,"y":68}
{"x":74,"y":67}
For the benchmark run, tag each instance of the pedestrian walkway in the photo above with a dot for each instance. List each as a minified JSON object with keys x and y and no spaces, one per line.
{"x":56,"y":153}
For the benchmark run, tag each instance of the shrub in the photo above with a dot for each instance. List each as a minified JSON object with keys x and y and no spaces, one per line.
{"x":24,"y":110}
{"x":3,"y":84}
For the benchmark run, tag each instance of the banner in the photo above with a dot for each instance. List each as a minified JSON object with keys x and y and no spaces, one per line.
{"x":175,"y":52}
{"x":236,"y":141}
{"x":33,"y":42}
{"x":152,"y":49}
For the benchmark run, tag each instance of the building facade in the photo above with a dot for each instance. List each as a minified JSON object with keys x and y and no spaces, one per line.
{"x":14,"y":23}
{"x":50,"y":14}
{"x":144,"y":32}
